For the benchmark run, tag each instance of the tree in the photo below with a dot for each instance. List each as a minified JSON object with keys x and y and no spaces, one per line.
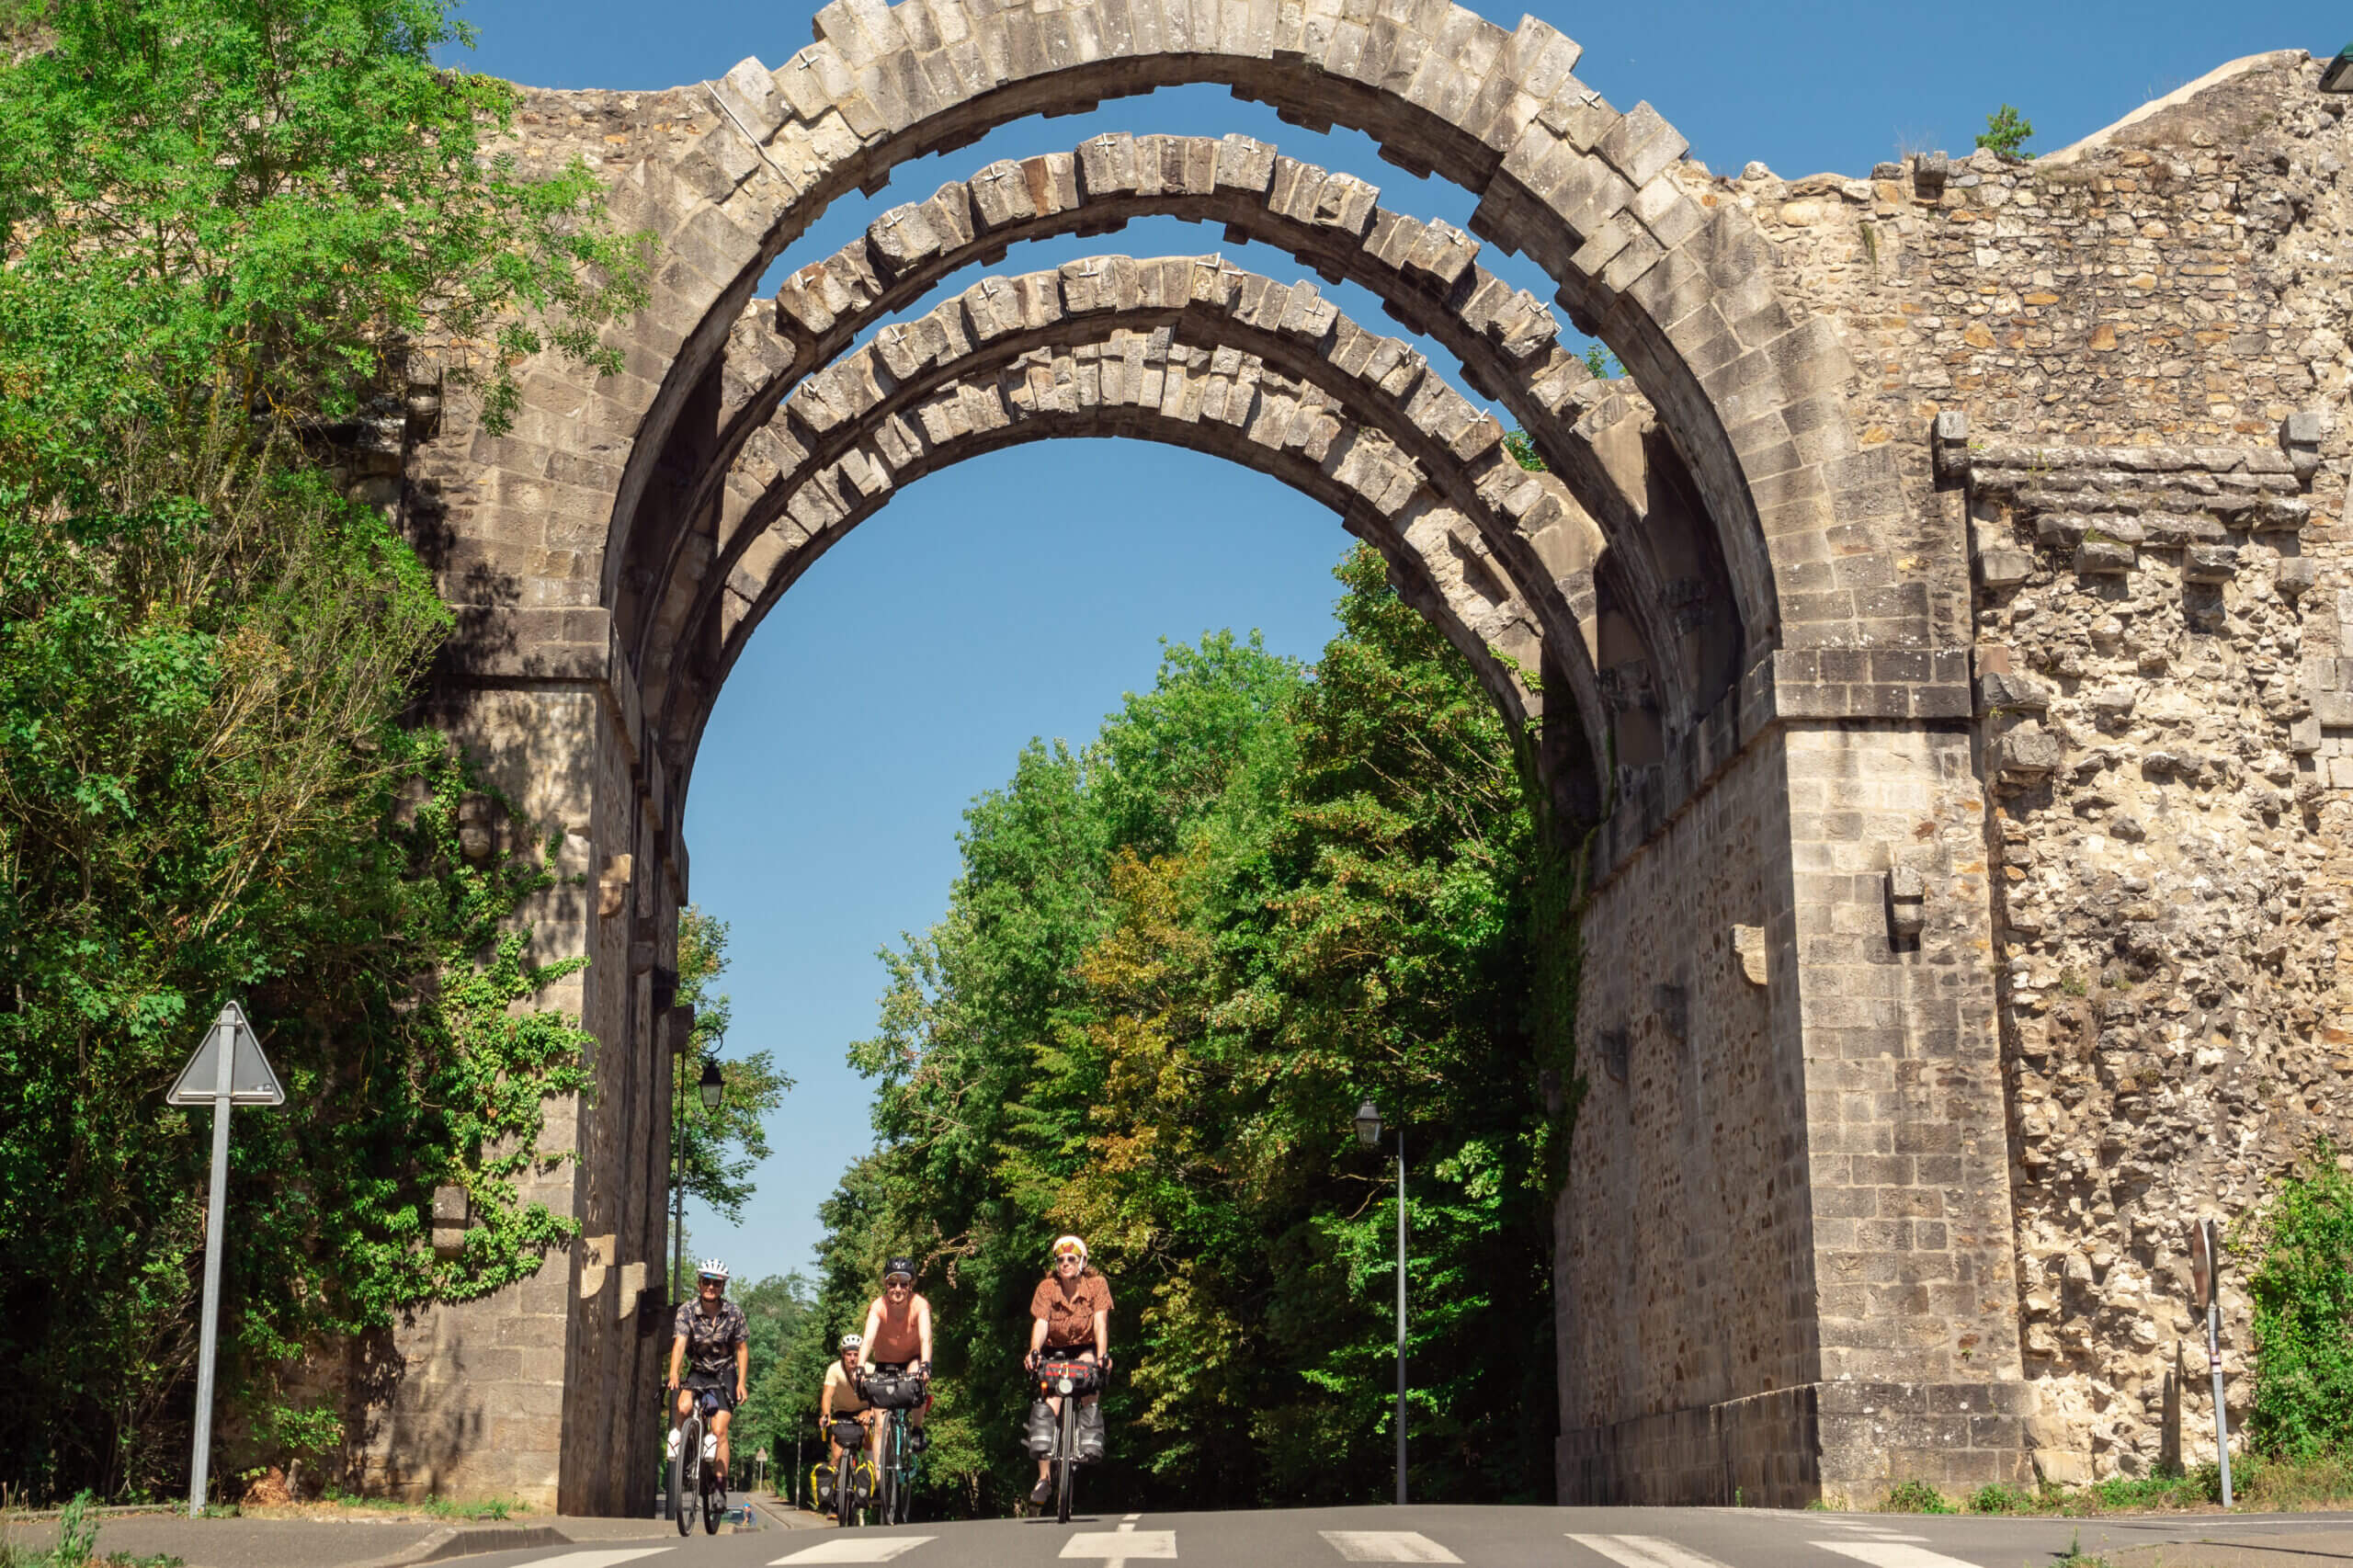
{"x":1173,"y":962}
{"x":717,"y":1149}
{"x":229,"y":225}
{"x":2006,"y":133}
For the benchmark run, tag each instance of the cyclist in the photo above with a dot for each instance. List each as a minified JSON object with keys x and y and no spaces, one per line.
{"x":898,"y":1339}
{"x":710,"y":1332}
{"x":1070,"y":1316}
{"x":840,"y":1398}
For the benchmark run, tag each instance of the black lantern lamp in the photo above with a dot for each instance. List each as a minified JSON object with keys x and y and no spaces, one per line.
{"x":1369,"y":1125}
{"x":713,"y":1087}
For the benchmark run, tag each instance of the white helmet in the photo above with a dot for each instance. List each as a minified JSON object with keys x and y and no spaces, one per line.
{"x":852,"y":1342}
{"x":712,"y":1269}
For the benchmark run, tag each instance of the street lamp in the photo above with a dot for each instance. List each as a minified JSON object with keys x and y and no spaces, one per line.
{"x":712,"y":1088}
{"x":1367,"y":1119}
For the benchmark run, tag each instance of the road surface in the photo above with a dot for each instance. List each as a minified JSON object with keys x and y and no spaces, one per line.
{"x":1496,"y":1537}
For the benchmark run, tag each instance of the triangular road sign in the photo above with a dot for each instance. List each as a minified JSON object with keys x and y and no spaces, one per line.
{"x":250,"y":1080}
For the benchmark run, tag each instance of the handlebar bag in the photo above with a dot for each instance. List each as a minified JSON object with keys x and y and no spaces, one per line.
{"x":893,"y":1391}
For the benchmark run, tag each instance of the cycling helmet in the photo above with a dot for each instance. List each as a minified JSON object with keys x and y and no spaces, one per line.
{"x":712,"y":1269}
{"x":1070,"y":1246}
{"x":853,"y":1342}
{"x":898,"y":1267}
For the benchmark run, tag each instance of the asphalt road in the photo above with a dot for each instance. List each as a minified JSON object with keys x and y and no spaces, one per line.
{"x":1489,"y":1537}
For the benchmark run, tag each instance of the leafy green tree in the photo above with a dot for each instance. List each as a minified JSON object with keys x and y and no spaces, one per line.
{"x":1173,"y":963}
{"x":229,"y":225}
{"x":716,"y":1149}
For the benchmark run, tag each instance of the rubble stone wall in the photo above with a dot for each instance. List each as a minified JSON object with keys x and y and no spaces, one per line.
{"x":2114,"y":383}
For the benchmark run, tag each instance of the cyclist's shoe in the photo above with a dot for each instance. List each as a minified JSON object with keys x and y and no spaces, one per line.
{"x":1040,"y":1435}
{"x":919,"y":1439}
{"x":1090,"y":1431}
{"x":670,"y":1449}
{"x":1043,"y":1489}
{"x":709,"y":1446}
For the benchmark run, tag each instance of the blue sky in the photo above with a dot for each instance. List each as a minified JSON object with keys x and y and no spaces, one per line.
{"x":1024,"y":592}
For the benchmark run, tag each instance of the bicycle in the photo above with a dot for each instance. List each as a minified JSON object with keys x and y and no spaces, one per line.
{"x":850,"y":1482}
{"x":892,"y":1395}
{"x":1069,"y":1381}
{"x":695,"y":1487}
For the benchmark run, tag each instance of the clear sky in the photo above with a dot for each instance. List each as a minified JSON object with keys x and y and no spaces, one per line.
{"x":1020,"y":595}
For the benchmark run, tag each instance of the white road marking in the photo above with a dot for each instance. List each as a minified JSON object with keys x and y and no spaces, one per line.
{"x":1129,"y":1518}
{"x":1645,"y":1551}
{"x":605,"y":1559}
{"x":1387,"y":1546}
{"x":1889,"y":1554}
{"x":856,"y":1548}
{"x":1121,"y":1545}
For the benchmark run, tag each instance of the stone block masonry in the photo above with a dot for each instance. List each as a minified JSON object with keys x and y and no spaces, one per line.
{"x":1938,"y":645}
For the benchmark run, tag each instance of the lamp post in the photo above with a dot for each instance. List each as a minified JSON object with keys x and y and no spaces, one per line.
{"x":1367,"y":1119}
{"x":712,"y":1089}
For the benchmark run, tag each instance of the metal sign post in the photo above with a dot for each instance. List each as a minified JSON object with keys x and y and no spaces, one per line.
{"x":227,"y":1070}
{"x":2206,"y":1280}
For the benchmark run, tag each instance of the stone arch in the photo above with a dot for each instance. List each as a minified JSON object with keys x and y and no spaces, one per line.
{"x":1438,"y":562}
{"x":1600,"y":437}
{"x":1678,"y":285}
{"x":1413,"y":447}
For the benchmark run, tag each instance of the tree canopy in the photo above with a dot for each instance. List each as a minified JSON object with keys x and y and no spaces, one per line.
{"x":1173,"y":964}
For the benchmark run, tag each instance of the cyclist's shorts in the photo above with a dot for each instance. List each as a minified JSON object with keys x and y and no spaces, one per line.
{"x":718,"y":1387}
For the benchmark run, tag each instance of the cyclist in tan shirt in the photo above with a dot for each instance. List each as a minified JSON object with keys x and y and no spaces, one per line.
{"x":1070,"y":1318}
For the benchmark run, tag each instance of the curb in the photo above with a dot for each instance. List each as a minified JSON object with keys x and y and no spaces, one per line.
{"x":465,"y":1541}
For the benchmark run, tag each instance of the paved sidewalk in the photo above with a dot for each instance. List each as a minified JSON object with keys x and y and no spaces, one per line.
{"x":393,"y":1542}
{"x":2229,"y":1548}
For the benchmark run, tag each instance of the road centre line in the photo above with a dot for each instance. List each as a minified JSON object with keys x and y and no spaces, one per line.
{"x":603,"y":1558}
{"x":1387,"y":1546}
{"x":856,"y":1548}
{"x":1643,"y":1552}
{"x":1891,"y":1554}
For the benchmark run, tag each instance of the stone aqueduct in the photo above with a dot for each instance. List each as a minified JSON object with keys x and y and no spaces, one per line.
{"x":1872,"y":1178}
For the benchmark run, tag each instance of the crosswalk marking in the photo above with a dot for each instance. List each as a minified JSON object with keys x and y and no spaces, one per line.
{"x":1124,"y":1544}
{"x":605,"y":1559}
{"x":1643,"y":1552}
{"x":1891,"y":1554}
{"x":1387,"y":1546}
{"x":856,"y":1548}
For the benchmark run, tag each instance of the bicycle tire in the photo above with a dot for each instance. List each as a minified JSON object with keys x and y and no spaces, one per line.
{"x":1065,"y":1456}
{"x":886,"y":1474}
{"x":714,"y":1503}
{"x":685,"y":1473}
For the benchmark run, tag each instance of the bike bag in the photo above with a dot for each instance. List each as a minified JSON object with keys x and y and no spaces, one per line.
{"x":1082,"y":1376}
{"x":893,"y":1391}
{"x":850,"y":1434}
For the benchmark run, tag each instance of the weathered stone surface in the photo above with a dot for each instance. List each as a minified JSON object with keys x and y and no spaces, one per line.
{"x":2098,"y":379}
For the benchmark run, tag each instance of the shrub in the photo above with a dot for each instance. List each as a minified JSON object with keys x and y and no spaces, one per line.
{"x":2006,"y":133}
{"x":1916,"y":1497}
{"x":2303,"y":1242}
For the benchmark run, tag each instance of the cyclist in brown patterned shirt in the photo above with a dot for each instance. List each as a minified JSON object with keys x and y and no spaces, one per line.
{"x":1070,"y":1316}
{"x":709,"y":1332}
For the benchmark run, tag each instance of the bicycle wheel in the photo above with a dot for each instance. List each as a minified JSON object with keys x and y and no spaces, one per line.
{"x":1065,"y":1456}
{"x":714,"y":1502}
{"x":685,"y":1473}
{"x":886,"y":1474}
{"x":903,"y":1490}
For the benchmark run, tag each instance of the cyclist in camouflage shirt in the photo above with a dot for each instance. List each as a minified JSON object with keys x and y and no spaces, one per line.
{"x":708,"y":1334}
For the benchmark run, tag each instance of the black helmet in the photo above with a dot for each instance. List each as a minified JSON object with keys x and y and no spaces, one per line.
{"x":897,"y":1266}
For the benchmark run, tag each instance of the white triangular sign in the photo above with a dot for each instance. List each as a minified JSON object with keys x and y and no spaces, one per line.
{"x":251,"y":1082}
